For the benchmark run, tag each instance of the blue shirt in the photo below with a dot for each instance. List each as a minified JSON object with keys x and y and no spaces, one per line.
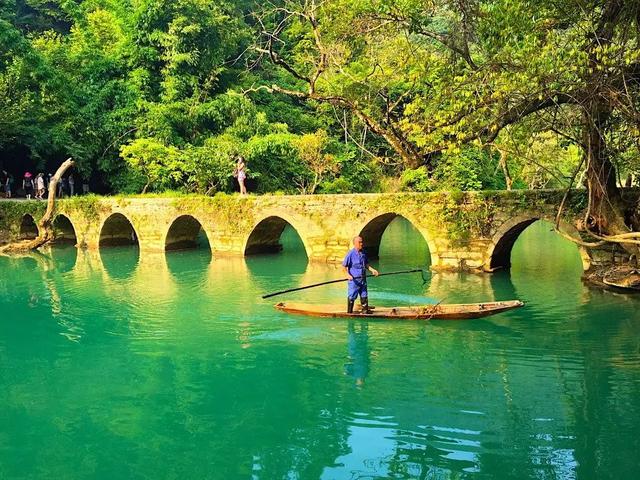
{"x":356,"y":263}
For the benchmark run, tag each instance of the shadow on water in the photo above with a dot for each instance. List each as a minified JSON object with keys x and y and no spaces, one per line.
{"x":120,"y":262}
{"x":484,"y":325}
{"x":27,"y":263}
{"x":503,"y":287}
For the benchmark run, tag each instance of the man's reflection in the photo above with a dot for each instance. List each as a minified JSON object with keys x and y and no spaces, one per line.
{"x":358,"y":352}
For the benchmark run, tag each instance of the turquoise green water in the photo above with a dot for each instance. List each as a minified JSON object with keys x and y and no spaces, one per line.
{"x":114,"y":365}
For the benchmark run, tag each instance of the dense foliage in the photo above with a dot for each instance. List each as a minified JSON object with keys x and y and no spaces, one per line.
{"x":148,"y":95}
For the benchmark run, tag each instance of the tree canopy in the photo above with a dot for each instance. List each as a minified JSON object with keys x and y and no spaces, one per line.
{"x":442,"y":76}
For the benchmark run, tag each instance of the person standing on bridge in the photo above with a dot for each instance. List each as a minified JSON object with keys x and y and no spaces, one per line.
{"x":8,"y":185}
{"x":240,"y":173}
{"x":27,"y":185}
{"x":355,"y":265}
{"x":3,"y":180}
{"x":40,"y":190}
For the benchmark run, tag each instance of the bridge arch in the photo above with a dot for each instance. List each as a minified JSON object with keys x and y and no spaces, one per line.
{"x":265,"y":235}
{"x":184,"y":233}
{"x":499,"y":253}
{"x":373,"y":228}
{"x":117,"y":230}
{"x":63,"y":230}
{"x":28,"y":227}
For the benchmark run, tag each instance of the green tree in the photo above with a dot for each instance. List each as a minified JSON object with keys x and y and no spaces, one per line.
{"x":428,"y":77}
{"x":312,"y":151}
{"x":211,"y":166}
{"x":162,"y":166}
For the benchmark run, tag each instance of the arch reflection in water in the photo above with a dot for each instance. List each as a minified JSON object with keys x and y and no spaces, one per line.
{"x":189,"y":266}
{"x":28,"y":228}
{"x":30,"y":274}
{"x":502,"y":286}
{"x":64,"y":256}
{"x":63,"y":231}
{"x":120,"y":261}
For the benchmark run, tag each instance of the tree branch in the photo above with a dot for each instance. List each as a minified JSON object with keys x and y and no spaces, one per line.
{"x":518,"y":112}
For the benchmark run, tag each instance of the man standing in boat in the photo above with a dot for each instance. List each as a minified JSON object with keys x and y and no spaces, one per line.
{"x":355,"y":265}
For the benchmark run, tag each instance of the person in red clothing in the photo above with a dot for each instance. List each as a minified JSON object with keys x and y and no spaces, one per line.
{"x":27,"y":185}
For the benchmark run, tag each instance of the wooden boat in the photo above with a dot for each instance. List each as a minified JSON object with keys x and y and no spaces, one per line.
{"x":452,"y":311}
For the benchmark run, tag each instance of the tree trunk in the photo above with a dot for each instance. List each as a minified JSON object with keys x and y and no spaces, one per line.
{"x":403,"y":147}
{"x":505,"y":169}
{"x":45,"y":224}
{"x":606,"y":215}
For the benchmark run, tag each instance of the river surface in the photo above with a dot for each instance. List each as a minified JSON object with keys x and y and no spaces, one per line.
{"x":117,"y":366}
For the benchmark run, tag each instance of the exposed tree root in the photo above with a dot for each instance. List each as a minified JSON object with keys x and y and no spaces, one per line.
{"x":621,"y":278}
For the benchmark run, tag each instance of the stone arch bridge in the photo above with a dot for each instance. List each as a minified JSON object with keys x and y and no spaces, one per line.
{"x":464,"y":231}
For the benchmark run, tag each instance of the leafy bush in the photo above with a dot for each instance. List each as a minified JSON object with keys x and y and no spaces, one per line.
{"x":127,"y":180}
{"x":274,"y":157}
{"x":459,"y":171}
{"x":362,"y":175}
{"x":210,"y":167}
{"x":337,"y":185}
{"x":312,"y":151}
{"x":162,"y":166}
{"x":417,"y":179}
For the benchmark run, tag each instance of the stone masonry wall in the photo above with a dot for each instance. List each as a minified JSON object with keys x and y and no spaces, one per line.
{"x":464,"y":231}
